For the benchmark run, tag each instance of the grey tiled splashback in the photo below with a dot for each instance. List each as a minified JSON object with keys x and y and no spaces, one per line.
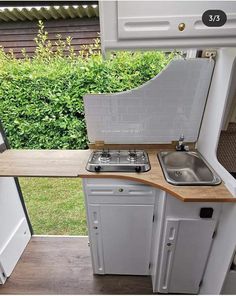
{"x":159,"y":111}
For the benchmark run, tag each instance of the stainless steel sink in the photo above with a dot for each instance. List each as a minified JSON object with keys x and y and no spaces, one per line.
{"x":187,"y":168}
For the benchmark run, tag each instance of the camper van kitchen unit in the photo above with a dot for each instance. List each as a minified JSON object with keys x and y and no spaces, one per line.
{"x":159,"y":202}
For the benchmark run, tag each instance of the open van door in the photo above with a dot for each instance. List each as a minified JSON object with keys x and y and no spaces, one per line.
{"x":15,"y":228}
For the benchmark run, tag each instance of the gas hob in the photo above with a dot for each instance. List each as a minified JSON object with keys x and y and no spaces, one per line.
{"x":118,"y":161}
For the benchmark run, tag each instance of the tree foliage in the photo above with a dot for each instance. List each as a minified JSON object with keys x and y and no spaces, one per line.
{"x":41,"y":98}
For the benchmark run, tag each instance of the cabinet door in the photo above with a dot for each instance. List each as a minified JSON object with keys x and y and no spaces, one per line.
{"x":184,"y":255}
{"x":126,"y":238}
{"x":14,"y":230}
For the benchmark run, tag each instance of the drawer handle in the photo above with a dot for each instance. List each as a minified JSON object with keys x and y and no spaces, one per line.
{"x":147,"y":192}
{"x":120,"y":189}
{"x":100,"y":192}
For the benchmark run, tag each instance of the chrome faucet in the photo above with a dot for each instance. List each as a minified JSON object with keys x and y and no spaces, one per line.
{"x":181,"y":146}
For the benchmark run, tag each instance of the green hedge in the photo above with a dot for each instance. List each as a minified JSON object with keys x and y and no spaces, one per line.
{"x":41,"y":102}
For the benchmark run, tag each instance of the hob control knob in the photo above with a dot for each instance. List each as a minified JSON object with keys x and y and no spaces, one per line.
{"x":97,"y":168}
{"x":138,"y":169}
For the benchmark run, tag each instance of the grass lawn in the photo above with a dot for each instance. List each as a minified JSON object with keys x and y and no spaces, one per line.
{"x":55,"y":205}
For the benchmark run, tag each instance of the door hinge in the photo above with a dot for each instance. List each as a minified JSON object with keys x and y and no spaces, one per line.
{"x":149,"y":266}
{"x":200,"y":284}
{"x":214,"y":234}
{"x":153,"y":218}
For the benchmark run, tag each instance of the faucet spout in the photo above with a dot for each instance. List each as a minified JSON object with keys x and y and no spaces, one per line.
{"x":181,"y":146}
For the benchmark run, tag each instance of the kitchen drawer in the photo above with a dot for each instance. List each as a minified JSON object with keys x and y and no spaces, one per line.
{"x":111,"y":181}
{"x":120,"y":194}
{"x":129,"y":190}
{"x":115,"y":199}
{"x":118,"y":191}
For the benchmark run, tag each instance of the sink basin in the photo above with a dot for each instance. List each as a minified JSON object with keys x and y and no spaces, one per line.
{"x":187,"y":168}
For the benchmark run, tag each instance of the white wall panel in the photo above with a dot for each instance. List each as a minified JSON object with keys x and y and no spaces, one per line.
{"x":1,"y":139}
{"x":154,"y":24}
{"x":222,"y":252}
{"x":14,"y":229}
{"x":222,"y":83}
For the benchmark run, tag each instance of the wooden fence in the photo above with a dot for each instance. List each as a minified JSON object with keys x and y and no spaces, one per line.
{"x":18,"y":35}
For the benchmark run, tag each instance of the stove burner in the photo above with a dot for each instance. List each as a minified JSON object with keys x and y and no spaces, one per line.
{"x":105,"y":156}
{"x":106,"y":160}
{"x":132,"y":156}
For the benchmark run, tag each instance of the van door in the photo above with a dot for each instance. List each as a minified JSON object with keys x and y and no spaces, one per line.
{"x":15,"y":228}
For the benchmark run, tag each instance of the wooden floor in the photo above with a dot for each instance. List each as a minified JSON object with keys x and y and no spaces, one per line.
{"x":62,"y":265}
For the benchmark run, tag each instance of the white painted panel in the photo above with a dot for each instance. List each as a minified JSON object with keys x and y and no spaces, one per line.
{"x":176,"y":210}
{"x":223,"y":82}
{"x":126,"y":233}
{"x":158,"y":226}
{"x":125,"y":190}
{"x":110,"y":181}
{"x":122,"y":199}
{"x":149,"y":24}
{"x":154,"y":24}
{"x":14,"y":247}
{"x":222,"y":252}
{"x":118,"y":215}
{"x":191,"y":252}
{"x":1,"y":139}
{"x":186,"y":248}
{"x":159,"y":111}
{"x":14,"y":230}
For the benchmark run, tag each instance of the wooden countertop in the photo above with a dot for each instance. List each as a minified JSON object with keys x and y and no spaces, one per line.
{"x":71,"y":163}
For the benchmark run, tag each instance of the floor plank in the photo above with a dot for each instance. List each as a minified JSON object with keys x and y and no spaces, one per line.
{"x":62,"y":265}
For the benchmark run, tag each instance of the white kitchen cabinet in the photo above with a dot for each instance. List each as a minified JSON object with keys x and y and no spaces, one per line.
{"x":186,"y":247}
{"x":187,"y":237}
{"x":165,"y":24}
{"x":136,"y":229}
{"x":125,"y":237}
{"x":120,"y":219}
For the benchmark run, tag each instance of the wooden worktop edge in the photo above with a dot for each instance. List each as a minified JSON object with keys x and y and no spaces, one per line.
{"x":158,"y":186}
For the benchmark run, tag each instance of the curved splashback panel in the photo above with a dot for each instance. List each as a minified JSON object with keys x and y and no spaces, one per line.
{"x":170,"y":104}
